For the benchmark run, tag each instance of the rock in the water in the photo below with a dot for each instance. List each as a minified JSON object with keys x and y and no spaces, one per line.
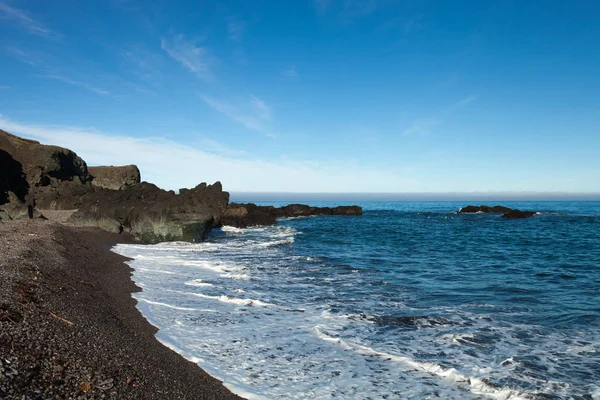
{"x":484,"y":209}
{"x":507,"y":213}
{"x":518,"y":214}
{"x":116,"y":178}
{"x":243,"y":215}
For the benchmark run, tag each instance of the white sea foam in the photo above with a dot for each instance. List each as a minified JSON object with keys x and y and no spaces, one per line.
{"x":199,"y":283}
{"x":157,"y":303}
{"x":230,"y":299}
{"x":231,"y":229}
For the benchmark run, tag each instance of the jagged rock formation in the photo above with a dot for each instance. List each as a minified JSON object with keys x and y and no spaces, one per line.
{"x":151,"y":214}
{"x":115,"y":178}
{"x":36,"y":178}
{"x":243,"y":215}
{"x":507,"y":213}
{"x":33,"y":174}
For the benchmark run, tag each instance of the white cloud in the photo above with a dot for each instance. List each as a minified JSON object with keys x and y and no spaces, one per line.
{"x":291,"y":72}
{"x":79,"y":84}
{"x":174,"y":165}
{"x":25,"y":57}
{"x":236,"y":28}
{"x":466,"y":100}
{"x":26,"y":21}
{"x":184,"y":51}
{"x":254,"y":113}
{"x":421,"y":127}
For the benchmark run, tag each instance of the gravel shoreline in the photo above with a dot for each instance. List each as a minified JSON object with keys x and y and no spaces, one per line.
{"x":69,"y":327}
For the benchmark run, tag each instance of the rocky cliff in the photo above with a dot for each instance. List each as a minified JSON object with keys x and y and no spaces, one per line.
{"x":37,"y":179}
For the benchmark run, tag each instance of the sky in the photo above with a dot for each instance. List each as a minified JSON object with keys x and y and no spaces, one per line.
{"x":313,"y":96}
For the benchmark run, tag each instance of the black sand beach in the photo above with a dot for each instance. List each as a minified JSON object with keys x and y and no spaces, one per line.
{"x":69,"y":327}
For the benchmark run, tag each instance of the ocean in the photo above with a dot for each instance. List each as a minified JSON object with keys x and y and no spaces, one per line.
{"x":408,"y":301}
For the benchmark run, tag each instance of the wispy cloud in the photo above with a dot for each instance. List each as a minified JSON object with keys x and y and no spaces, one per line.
{"x":347,"y":10}
{"x":23,"y":56}
{"x":83,"y":85}
{"x":4,"y":87}
{"x":422,"y":127}
{"x":467,"y":100}
{"x":426,"y":126}
{"x":253,"y":113}
{"x":290,"y":72}
{"x":25,"y":20}
{"x":199,"y":60}
{"x":461,"y":103}
{"x":235,"y":27}
{"x":161,"y":161}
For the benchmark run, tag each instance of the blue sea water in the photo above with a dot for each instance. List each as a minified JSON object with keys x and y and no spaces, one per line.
{"x":410,"y":300}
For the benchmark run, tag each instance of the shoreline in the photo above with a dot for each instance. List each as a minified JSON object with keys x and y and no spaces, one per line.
{"x":70,"y":326}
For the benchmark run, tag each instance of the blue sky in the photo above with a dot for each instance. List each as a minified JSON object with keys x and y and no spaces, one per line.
{"x":313,"y":96}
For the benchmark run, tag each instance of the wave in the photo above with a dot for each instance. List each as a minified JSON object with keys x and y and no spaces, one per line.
{"x":157,"y":303}
{"x":198,"y":283}
{"x":230,"y":299}
{"x":231,"y":229}
{"x":475,"y":385}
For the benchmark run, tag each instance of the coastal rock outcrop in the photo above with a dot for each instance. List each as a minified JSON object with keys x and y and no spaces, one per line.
{"x":37,"y":179}
{"x":244,"y":215}
{"x":115,"y":178}
{"x":151,"y":214}
{"x":507,"y":213}
{"x":37,"y":175}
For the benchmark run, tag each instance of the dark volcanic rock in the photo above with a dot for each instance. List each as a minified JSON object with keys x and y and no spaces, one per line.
{"x":484,"y":209}
{"x":243,"y":215}
{"x":47,"y":176}
{"x":151,"y":214}
{"x":44,"y":165}
{"x":115,"y":178}
{"x":518,"y":214}
{"x":507,"y":213}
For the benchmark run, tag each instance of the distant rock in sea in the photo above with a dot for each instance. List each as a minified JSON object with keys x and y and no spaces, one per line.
{"x":243,"y":215}
{"x":507,"y":213}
